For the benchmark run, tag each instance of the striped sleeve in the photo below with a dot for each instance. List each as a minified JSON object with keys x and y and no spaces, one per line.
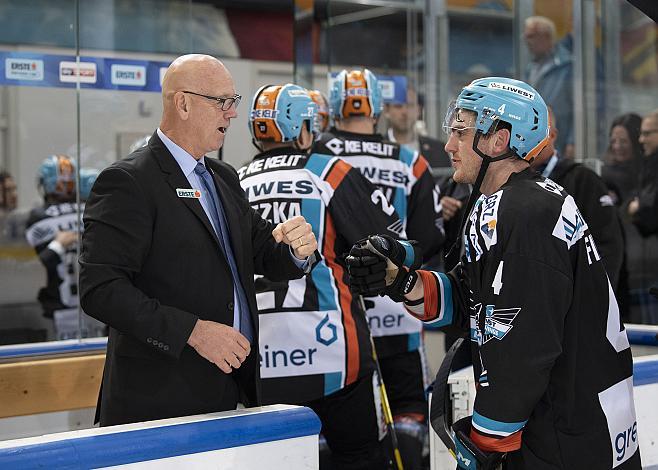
{"x":437,"y":307}
{"x":496,"y":436}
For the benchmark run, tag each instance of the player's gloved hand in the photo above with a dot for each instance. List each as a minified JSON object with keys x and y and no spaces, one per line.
{"x":383,"y":265}
{"x":467,"y":453}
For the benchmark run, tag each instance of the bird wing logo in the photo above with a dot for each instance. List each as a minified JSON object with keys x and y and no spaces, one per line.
{"x":497,"y":322}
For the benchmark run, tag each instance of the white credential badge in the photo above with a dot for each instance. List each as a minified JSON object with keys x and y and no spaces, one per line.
{"x":188,"y":193}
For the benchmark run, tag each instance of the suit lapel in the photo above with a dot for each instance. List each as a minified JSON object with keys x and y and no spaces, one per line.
{"x":176,"y":179}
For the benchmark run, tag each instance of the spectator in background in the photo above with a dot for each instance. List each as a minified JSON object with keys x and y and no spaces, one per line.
{"x":623,"y":158}
{"x":643,"y":213}
{"x":406,"y":128}
{"x":8,"y":196}
{"x":8,"y":202}
{"x":550,"y":72}
{"x":644,"y":208}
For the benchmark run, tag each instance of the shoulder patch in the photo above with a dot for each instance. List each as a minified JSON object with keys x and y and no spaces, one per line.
{"x":570,"y":226}
{"x":489,"y":219}
{"x":551,"y":186}
{"x":335,"y":145}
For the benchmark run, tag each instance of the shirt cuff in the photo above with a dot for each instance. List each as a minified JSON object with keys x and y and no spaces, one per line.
{"x":57,"y":247}
{"x":303,"y":265}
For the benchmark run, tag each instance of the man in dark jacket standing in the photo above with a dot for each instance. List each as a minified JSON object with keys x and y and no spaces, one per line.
{"x":168,"y":257}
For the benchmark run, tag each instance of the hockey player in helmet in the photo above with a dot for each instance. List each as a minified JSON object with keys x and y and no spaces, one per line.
{"x":404,"y":177}
{"x":334,"y":376}
{"x":322,"y":115}
{"x":52,"y":230}
{"x":551,"y":358}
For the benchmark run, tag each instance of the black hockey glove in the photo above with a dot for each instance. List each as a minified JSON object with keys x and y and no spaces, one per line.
{"x":383,"y":265}
{"x":467,"y":453}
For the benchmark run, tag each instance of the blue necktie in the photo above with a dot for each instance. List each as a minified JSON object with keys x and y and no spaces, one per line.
{"x":221,"y":229}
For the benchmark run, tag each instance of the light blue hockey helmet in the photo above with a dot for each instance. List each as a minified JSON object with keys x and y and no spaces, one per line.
{"x":509,"y":100}
{"x":87,"y":178}
{"x":56,"y":176}
{"x":278,"y":113}
{"x":355,"y":93}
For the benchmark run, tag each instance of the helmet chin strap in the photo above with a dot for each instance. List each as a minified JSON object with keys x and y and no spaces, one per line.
{"x":475,"y":192}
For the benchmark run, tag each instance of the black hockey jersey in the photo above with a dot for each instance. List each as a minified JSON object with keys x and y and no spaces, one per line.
{"x":61,"y":290}
{"x":314,"y":338}
{"x":552,"y":362}
{"x":405,"y":178}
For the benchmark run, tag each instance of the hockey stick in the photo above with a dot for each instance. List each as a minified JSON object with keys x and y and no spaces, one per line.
{"x":440,"y":408}
{"x":388,"y":415}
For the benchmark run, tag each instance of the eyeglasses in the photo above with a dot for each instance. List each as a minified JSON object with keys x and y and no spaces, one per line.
{"x":647,"y":133}
{"x":223,"y":103}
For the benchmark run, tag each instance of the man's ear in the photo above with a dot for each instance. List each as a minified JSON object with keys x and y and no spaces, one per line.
{"x":305,"y":139}
{"x":501,"y":141}
{"x":182,"y":105}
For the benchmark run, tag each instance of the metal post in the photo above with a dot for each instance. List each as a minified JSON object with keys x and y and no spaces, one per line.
{"x":522,"y":10}
{"x":584,"y":78}
{"x":437,"y":72}
{"x":611,"y":23}
{"x":303,"y":43}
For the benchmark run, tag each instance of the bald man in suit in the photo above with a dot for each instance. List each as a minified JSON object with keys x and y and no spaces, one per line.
{"x":168,"y":256}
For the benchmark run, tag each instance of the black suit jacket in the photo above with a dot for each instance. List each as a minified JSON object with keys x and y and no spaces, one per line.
{"x":151,"y":265}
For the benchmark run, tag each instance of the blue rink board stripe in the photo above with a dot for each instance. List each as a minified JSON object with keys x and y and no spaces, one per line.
{"x":55,"y":347}
{"x":645,"y":373}
{"x":644,"y":337}
{"x":163,"y":442}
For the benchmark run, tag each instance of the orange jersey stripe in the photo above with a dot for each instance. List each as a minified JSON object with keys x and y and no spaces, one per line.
{"x":490,"y":444}
{"x":431,"y":294}
{"x":345,"y":297}
{"x":337,"y":173}
{"x":420,"y":166}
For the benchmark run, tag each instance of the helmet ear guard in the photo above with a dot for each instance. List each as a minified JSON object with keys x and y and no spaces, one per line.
{"x":356,"y":93}
{"x":278,"y":113}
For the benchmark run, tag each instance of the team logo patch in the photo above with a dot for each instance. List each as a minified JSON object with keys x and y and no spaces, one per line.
{"x":489,"y":219}
{"x":570,"y":226}
{"x":188,"y":193}
{"x":335,"y":145}
{"x":551,"y":186}
{"x":497,"y":322}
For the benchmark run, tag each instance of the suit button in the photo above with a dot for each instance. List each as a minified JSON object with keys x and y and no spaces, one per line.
{"x":230,"y":306}
{"x":160,"y":345}
{"x":149,"y":340}
{"x":166,"y":348}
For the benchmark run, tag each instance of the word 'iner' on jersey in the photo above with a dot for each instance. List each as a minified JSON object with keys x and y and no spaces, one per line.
{"x":552,"y":361}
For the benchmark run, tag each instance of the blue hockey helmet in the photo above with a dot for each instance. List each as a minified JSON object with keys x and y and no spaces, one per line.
{"x":87,"y":178}
{"x":495,"y":99}
{"x":278,"y":113}
{"x":56,"y":176}
{"x":355,"y":93}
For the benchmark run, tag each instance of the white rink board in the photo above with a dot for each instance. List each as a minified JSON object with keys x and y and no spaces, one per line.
{"x":275,"y":437}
